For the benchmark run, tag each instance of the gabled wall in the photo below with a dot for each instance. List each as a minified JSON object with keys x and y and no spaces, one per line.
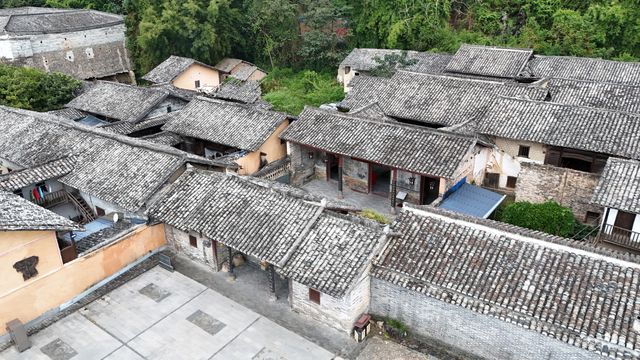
{"x":340,"y":313}
{"x":273,"y":147}
{"x":208,"y":77}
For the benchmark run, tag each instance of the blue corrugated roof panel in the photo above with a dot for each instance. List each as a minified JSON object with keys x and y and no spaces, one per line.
{"x":473,"y":200}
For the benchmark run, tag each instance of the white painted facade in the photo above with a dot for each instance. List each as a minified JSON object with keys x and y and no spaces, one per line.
{"x":27,"y":46}
{"x":610,"y":220}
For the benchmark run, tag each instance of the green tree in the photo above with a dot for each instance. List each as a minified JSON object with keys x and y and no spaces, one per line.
{"x":207,"y":30}
{"x":33,"y":89}
{"x":112,"y":6}
{"x":323,"y":47}
{"x":275,"y":28}
{"x":390,"y":63}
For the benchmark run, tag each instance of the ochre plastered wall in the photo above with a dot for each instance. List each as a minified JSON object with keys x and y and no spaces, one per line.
{"x":19,"y":245}
{"x":47,"y":292}
{"x":187,"y":80}
{"x":273,"y":147}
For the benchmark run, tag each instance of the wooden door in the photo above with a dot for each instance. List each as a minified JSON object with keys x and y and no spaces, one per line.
{"x":624,"y":223}
{"x":429,"y":189}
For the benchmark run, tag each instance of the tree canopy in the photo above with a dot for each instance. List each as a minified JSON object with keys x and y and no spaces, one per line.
{"x":316,"y":34}
{"x":34,"y":89}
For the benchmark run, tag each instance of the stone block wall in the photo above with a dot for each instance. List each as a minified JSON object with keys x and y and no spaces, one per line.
{"x":538,"y":183}
{"x":339,"y":313}
{"x":356,"y":175}
{"x":302,"y":166}
{"x":179,"y":241}
{"x":461,"y":328}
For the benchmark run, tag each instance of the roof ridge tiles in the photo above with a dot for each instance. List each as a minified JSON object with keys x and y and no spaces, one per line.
{"x":110,"y":135}
{"x":571,"y":106}
{"x":544,"y":239}
{"x":394,"y":124}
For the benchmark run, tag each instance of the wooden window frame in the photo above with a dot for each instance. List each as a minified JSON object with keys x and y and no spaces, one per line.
{"x":193,"y":241}
{"x":314,"y":296}
{"x":197,"y":84}
{"x":522,"y":149}
{"x":513,"y":179}
{"x":488,"y":176}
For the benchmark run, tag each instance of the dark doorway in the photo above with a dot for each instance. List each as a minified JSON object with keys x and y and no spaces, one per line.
{"x":576,"y":164}
{"x":624,"y":223}
{"x":380,"y":178}
{"x":429,"y":189}
{"x":332,"y":167}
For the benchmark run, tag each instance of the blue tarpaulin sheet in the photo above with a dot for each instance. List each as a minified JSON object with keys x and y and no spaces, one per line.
{"x":473,"y":200}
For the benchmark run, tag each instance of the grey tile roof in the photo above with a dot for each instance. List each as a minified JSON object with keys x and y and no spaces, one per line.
{"x":519,"y":276}
{"x":118,"y":101}
{"x":596,"y":94}
{"x":117,"y":169}
{"x":164,"y":138}
{"x":333,"y":254}
{"x":578,"y":68}
{"x":68,"y":113}
{"x":184,"y":94}
{"x":245,"y":216}
{"x":489,"y":61}
{"x":247,"y":92}
{"x":410,"y":148}
{"x":18,"y":214}
{"x":441,"y":100}
{"x":619,"y":185}
{"x":597,"y":130}
{"x":316,"y":247}
{"x":363,"y":59}
{"x":240,"y":126}
{"x":430,"y":63}
{"x":27,"y":21}
{"x":126,"y":127}
{"x":244,"y":73}
{"x":169,"y":69}
{"x":50,"y":170}
{"x":227,"y":64}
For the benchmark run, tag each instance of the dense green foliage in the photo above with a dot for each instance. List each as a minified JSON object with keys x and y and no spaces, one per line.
{"x":603,"y":28}
{"x":316,"y":34}
{"x":549,"y":217}
{"x":290,"y":91}
{"x":34,"y":89}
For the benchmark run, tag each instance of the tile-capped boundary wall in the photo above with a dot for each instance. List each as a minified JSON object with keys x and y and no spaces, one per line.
{"x":479,"y":334}
{"x":76,"y":277}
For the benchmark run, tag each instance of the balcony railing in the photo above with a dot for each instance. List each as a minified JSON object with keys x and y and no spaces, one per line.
{"x":621,"y":237}
{"x":52,"y":199}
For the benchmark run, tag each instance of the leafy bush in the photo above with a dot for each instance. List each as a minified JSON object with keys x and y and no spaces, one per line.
{"x":374,"y":215}
{"x":290,"y":91}
{"x":549,"y":217}
{"x":34,"y":89}
{"x":395,"y":328}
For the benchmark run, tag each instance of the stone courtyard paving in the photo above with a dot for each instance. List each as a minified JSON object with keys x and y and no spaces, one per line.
{"x":166,"y":315}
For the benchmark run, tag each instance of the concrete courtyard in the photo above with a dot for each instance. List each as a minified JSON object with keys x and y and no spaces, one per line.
{"x":166,"y":315}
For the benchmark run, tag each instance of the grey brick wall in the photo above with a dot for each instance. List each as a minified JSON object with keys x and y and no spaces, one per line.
{"x":465,"y":329}
{"x":340,"y":313}
{"x":538,"y":183}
